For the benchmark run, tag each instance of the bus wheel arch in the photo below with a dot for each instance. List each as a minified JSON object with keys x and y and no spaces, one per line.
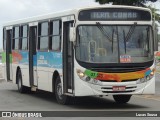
{"x":19,"y":82}
{"x":122,"y":99}
{"x":57,"y":83}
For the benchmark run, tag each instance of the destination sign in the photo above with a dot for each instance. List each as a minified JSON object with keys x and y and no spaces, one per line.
{"x":113,"y":14}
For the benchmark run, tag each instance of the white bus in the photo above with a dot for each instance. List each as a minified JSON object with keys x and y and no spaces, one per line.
{"x":93,"y":51}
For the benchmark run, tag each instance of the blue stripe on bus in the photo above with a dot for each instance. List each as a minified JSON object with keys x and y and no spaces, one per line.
{"x":43,"y":59}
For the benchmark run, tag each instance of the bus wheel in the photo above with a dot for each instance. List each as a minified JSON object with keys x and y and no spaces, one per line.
{"x":21,"y":88}
{"x":122,"y":98}
{"x":61,"y":99}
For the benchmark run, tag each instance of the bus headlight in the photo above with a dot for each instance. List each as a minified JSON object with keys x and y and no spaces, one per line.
{"x":80,"y":73}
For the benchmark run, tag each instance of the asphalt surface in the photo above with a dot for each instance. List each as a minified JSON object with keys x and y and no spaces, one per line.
{"x":12,"y":100}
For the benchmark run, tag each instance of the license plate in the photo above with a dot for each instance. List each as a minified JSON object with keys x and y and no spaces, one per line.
{"x":119,"y":88}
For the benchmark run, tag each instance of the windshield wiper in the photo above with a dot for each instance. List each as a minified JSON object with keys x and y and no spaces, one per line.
{"x":103,"y":31}
{"x":131,"y":30}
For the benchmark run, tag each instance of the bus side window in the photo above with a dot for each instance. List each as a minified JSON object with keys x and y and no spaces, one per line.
{"x":55,"y":35}
{"x":24,"y":39}
{"x":4,"y":39}
{"x":16,"y":35}
{"x":43,"y":36}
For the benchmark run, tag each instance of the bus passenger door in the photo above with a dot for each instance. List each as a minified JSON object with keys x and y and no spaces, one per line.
{"x":68,"y":55}
{"x":32,"y":54}
{"x":9,"y":54}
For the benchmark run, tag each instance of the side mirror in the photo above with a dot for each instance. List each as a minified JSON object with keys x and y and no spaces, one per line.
{"x":72,"y":34}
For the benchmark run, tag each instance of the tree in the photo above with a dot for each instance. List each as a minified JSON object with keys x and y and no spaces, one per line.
{"x":133,"y":3}
{"x":154,"y":12}
{"x":125,"y":2}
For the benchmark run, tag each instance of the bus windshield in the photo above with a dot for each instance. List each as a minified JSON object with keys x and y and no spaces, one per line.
{"x":114,"y":43}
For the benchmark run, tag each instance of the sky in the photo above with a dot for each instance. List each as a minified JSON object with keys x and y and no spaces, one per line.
{"x":18,"y":9}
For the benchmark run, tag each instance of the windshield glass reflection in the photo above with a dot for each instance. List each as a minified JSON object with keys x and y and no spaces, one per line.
{"x":114,"y":44}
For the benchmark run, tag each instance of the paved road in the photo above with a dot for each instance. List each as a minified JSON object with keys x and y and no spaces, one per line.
{"x":11,"y":100}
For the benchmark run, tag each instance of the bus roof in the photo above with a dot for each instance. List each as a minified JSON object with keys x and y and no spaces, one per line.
{"x":67,"y":13}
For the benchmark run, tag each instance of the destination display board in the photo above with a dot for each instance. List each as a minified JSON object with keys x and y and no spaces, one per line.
{"x":114,"y":14}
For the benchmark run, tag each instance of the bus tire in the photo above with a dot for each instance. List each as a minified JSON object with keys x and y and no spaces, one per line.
{"x":61,"y":99}
{"x":21,"y":88}
{"x":121,"y":98}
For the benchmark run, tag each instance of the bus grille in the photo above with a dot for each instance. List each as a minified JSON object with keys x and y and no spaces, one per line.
{"x":118,"y":91}
{"x":121,"y":81}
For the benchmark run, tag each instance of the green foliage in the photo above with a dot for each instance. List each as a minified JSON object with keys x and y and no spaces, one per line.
{"x":124,"y":2}
{"x":134,"y":3}
{"x":154,"y":12}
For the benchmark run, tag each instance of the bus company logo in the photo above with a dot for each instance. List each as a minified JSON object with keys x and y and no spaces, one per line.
{"x":6,"y":114}
{"x":21,"y":114}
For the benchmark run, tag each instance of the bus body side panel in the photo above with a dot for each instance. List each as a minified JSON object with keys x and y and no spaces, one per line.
{"x":55,"y":64}
{"x":24,"y":66}
{"x":42,"y":70}
{"x":14,"y":68}
{"x":3,"y":71}
{"x":20,"y":59}
{"x":16,"y":57}
{"x":4,"y":65}
{"x":150,"y":86}
{"x":47,"y":63}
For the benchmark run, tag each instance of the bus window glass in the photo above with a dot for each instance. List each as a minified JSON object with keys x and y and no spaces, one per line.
{"x":24,"y":37}
{"x":55,"y":35}
{"x":56,"y":28}
{"x":15,"y":40}
{"x":16,"y":32}
{"x":44,"y":28}
{"x":4,"y":39}
{"x":16,"y":44}
{"x":56,"y":43}
{"x":24,"y":43}
{"x":43,"y":43}
{"x":24,"y":34}
{"x":43,"y":36}
{"x":4,"y":44}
